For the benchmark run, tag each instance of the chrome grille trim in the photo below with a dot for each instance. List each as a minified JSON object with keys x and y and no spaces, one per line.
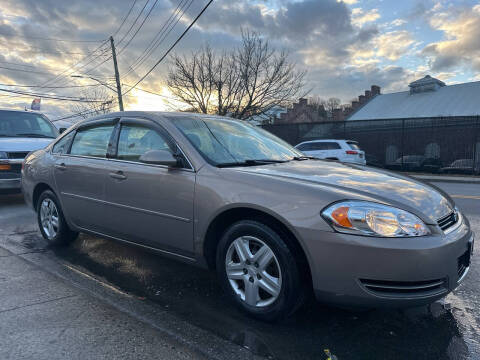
{"x":405,"y":289}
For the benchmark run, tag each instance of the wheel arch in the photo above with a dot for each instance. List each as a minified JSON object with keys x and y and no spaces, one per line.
{"x":222,"y":221}
{"x":37,"y":191}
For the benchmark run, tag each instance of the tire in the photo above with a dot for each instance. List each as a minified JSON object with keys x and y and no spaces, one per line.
{"x":59,"y":234}
{"x":281,"y":276}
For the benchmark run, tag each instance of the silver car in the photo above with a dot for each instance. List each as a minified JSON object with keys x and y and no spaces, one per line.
{"x":20,"y":133}
{"x":274,"y":224}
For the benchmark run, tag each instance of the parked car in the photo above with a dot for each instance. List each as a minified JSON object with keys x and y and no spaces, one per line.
{"x":223,"y":194}
{"x":20,"y":133}
{"x":346,"y":151}
{"x":416,"y":163}
{"x":372,"y":160}
{"x":62,"y":125}
{"x":462,"y":166}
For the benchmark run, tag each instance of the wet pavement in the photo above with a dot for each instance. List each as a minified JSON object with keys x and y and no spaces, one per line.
{"x":448,"y":329}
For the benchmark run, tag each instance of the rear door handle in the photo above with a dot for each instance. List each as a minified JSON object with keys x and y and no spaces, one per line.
{"x":61,"y":166}
{"x":119,"y":175}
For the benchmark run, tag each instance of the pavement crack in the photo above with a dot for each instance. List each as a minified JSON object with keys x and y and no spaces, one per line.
{"x":37,"y":303}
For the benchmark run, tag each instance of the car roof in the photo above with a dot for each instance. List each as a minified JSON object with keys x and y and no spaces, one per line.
{"x":326,"y":140}
{"x":172,"y":116}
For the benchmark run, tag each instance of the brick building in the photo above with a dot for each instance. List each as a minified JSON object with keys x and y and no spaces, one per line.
{"x":303,"y":112}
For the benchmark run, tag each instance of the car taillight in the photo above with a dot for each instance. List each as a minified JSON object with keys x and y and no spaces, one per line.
{"x":351,"y":152}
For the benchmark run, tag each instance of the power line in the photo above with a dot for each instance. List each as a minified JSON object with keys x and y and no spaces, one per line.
{"x":171,"y":47}
{"x":18,"y":64}
{"x":48,"y":96}
{"x":59,"y":76}
{"x":150,"y":92}
{"x":124,"y":36}
{"x":85,"y":112}
{"x":24,"y":70}
{"x":138,"y":29}
{"x":134,"y":22}
{"x":160,"y":36}
{"x":51,"y":87}
{"x":61,"y":40}
{"x":125,"y":18}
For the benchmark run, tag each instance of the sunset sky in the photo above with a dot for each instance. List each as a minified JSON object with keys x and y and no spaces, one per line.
{"x":344,"y":45}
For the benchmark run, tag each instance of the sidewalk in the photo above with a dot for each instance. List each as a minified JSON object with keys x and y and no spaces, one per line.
{"x":51,"y":309}
{"x":43,"y":317}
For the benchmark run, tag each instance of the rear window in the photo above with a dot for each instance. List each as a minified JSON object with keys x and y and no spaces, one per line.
{"x":328,"y":146}
{"x":353,"y":145}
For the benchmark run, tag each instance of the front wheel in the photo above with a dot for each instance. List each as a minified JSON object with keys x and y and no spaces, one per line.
{"x":51,"y":221}
{"x":258,"y":271}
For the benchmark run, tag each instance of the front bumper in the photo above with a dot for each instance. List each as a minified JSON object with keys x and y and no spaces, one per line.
{"x":378,"y":272}
{"x":10,"y":184}
{"x":11,"y":179}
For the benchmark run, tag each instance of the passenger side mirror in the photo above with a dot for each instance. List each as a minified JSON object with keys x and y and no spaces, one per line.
{"x":159,"y":157}
{"x":62,"y":130}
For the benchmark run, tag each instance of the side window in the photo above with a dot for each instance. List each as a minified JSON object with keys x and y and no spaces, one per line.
{"x":92,"y":141}
{"x":332,"y":146}
{"x":304,"y":147}
{"x":134,"y":141}
{"x":319,"y":146}
{"x":61,"y":147}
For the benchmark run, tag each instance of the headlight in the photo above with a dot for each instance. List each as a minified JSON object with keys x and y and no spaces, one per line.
{"x":3,"y":155}
{"x":372,"y":219}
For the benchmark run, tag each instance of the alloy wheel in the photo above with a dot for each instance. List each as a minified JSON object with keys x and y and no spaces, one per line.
{"x":49,"y":218}
{"x":253,"y":271}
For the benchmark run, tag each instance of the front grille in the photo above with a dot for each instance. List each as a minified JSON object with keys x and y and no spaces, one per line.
{"x":17,"y":155}
{"x":405,"y":289}
{"x":13,"y":173}
{"x":448,"y":221}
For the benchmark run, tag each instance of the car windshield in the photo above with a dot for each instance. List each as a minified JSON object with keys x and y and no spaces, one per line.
{"x":25,"y":124}
{"x":222,"y":141}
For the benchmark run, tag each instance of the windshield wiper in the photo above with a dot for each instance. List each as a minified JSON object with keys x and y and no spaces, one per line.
{"x":250,"y":162}
{"x":35,"y":135}
{"x":301,"y":158}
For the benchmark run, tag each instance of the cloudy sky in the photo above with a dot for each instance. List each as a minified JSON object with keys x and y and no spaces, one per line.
{"x":345,"y":45}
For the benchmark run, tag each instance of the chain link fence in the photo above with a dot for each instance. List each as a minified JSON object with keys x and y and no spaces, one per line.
{"x":432,"y":145}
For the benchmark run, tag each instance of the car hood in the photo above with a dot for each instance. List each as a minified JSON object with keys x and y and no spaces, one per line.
{"x":381,"y":185}
{"x":23,"y":144}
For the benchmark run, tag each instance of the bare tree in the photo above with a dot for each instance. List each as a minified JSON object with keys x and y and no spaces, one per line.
{"x":331,"y":104}
{"x":319,"y":104}
{"x":92,"y":106}
{"x":241,"y":83}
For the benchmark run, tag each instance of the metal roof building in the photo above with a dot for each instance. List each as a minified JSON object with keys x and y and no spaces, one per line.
{"x":427,"y":98}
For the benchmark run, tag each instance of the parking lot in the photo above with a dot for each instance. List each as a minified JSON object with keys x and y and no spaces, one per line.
{"x":165,"y":308}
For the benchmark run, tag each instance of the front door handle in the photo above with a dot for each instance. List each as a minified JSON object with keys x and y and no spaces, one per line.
{"x":61,"y":166}
{"x":119,"y":175}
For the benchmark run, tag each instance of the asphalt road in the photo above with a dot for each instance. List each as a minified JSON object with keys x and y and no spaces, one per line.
{"x":187,"y":303}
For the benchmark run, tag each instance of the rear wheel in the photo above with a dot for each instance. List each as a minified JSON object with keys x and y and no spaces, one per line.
{"x":51,"y":221}
{"x":258,"y":271}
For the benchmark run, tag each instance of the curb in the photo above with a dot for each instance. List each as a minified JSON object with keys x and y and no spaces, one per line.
{"x":452,"y":179}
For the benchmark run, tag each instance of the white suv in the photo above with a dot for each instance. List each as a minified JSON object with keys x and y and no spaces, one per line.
{"x":342,"y":150}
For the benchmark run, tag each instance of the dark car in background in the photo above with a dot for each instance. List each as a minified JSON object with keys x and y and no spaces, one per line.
{"x":20,"y":133}
{"x":462,"y":166}
{"x":416,"y":163}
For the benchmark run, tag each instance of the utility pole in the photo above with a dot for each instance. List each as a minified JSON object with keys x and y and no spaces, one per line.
{"x":117,"y":76}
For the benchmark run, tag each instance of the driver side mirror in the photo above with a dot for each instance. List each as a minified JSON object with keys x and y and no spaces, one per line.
{"x":159,"y":157}
{"x":62,"y":130}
